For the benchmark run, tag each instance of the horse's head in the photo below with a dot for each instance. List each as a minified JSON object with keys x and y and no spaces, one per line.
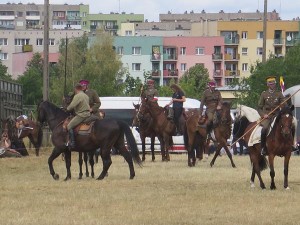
{"x":285,"y":121}
{"x":135,"y":121}
{"x":41,"y":116}
{"x":224,"y":114}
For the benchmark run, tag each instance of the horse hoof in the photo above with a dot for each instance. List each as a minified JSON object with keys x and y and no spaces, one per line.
{"x":67,"y":178}
{"x":190,"y":164}
{"x":211,"y":164}
{"x":56,"y":176}
{"x":233,"y":166}
{"x":273,"y":187}
{"x":287,"y":188}
{"x":252,"y":184}
{"x":80,"y":178}
{"x":131,"y":177}
{"x":87,"y":175}
{"x":100,"y":178}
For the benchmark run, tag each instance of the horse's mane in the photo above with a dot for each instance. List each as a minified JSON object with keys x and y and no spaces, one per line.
{"x":55,"y":109}
{"x":250,"y":113}
{"x":283,"y":111}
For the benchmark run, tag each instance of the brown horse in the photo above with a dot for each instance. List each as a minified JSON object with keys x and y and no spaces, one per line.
{"x":145,"y":127}
{"x":105,"y":134}
{"x":33,"y":131}
{"x":279,"y":143}
{"x":222,"y":131}
{"x":163,"y":127}
{"x":195,"y":138}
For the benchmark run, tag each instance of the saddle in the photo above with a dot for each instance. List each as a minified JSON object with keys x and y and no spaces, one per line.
{"x":84,"y":128}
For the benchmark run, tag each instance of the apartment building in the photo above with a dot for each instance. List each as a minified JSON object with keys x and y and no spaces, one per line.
{"x":169,"y":58}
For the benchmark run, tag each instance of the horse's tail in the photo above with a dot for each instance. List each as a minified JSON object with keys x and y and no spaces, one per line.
{"x":131,"y":142}
{"x":185,"y":138}
{"x":263,"y":163}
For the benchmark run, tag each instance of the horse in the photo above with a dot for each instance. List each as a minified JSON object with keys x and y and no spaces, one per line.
{"x":222,"y":132}
{"x":145,"y":127}
{"x":105,"y":134}
{"x":33,"y":131}
{"x":163,"y":127}
{"x":279,"y":143}
{"x":194,"y":138}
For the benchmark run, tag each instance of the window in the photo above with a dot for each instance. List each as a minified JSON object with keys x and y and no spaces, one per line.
{"x":21,"y":41}
{"x":245,"y":66}
{"x":3,"y":41}
{"x":3,"y":56}
{"x":84,"y":14}
{"x":260,"y":35}
{"x":136,"y":66}
{"x":39,"y":41}
{"x":199,"y":51}
{"x":183,"y":66}
{"x":244,"y":35}
{"x":128,"y":32}
{"x":51,"y":41}
{"x":244,"y":51}
{"x":120,"y":50}
{"x":259,"y":51}
{"x":182,"y":50}
{"x":136,"y":50}
{"x":84,"y":23}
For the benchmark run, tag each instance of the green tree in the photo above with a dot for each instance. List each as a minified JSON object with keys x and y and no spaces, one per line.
{"x":194,"y":81}
{"x":3,"y":72}
{"x":292,"y":67}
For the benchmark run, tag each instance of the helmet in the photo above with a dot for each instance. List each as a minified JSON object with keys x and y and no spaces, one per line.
{"x":84,"y":82}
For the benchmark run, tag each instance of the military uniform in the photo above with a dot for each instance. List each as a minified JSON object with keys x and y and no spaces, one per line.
{"x":94,"y":101}
{"x":150,"y":93}
{"x":211,"y":99}
{"x":80,"y":105}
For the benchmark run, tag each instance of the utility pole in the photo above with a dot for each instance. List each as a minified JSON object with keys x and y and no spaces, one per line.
{"x":264,"y":55}
{"x":46,"y":52}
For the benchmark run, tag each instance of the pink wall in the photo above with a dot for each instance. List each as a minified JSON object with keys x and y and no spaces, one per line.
{"x":191,"y":43}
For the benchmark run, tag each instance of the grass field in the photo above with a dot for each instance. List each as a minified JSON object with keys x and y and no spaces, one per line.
{"x":161,"y":193}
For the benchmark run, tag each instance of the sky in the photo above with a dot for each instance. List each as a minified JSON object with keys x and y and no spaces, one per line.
{"x":287,"y":9}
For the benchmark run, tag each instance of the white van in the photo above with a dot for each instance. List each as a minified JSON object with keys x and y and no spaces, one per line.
{"x":121,"y":108}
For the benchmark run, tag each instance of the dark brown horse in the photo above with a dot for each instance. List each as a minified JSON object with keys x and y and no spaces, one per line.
{"x":105,"y":134}
{"x":222,"y":131}
{"x":195,"y":138}
{"x":279,"y":143}
{"x":146,"y":129}
{"x":163,"y":127}
{"x":33,"y":131}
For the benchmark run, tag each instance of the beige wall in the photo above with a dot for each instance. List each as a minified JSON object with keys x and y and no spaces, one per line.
{"x":204,"y":28}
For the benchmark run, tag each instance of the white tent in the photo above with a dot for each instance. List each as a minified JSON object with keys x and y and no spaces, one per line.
{"x":296,"y":97}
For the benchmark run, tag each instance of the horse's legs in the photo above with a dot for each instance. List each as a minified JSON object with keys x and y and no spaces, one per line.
{"x":106,"y":160}
{"x":255,"y":157}
{"x":55,"y":153}
{"x":92,"y":162}
{"x":252,"y":177}
{"x":143,"y":148}
{"x":272,"y":171}
{"x":127,"y":156}
{"x":167,"y":146}
{"x":85,"y":158}
{"x":163,"y":146}
{"x":217,"y":153}
{"x":35,"y":144}
{"x":191,"y":151}
{"x":286,"y":169}
{"x":152,"y":147}
{"x":80,"y":161}
{"x":229,"y":155}
{"x":68,"y":164}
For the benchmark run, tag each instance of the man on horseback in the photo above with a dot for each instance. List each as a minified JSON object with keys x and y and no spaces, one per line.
{"x":94,"y":100}
{"x":269,"y":100}
{"x":80,"y":105}
{"x":151,"y":92}
{"x":212,"y":99}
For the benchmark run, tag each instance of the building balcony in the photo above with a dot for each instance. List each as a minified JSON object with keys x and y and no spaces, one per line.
{"x":218,"y":73}
{"x":111,"y":27}
{"x":73,"y":18}
{"x":155,"y":73}
{"x":234,"y":57}
{"x":27,"y":48}
{"x":8,"y":17}
{"x":232,"y":41}
{"x":155,"y":57}
{"x":217,"y":57}
{"x":278,"y":41}
{"x":232,"y":73}
{"x":59,"y":18}
{"x":170,"y":73}
{"x":33,"y":18}
{"x":169,"y":57}
{"x":7,"y":27}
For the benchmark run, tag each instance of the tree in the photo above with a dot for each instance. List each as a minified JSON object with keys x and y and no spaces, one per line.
{"x":292,"y":66}
{"x":194,"y":81}
{"x":3,"y":72}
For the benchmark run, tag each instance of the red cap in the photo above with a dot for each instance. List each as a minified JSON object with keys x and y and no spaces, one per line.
{"x":150,"y":81}
{"x":84,"y":82}
{"x":212,"y":83}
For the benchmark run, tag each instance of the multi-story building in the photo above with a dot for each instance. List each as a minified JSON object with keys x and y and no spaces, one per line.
{"x":169,"y":58}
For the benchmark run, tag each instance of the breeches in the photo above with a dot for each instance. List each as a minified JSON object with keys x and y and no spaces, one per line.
{"x":75,"y":121}
{"x":210,"y":116}
{"x":177,"y":114}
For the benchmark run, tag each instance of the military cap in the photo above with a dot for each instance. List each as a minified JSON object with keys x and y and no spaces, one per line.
{"x":212,"y":83}
{"x":84,"y":82}
{"x":150,"y":81}
{"x":271,"y":80}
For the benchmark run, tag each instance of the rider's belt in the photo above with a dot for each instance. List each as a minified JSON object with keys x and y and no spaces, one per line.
{"x":84,"y":111}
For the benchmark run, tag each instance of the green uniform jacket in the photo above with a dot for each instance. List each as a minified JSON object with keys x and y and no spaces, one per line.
{"x":80,"y":104}
{"x":150,"y":93}
{"x":269,"y":101}
{"x":94,"y":100}
{"x":211,"y":100}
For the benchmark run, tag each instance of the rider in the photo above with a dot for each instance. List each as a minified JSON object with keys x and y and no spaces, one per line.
{"x":178,"y":98}
{"x":94,"y":100}
{"x":150,"y":93}
{"x":212,"y":99}
{"x":268,"y":101}
{"x":80,"y":105}
{"x":22,"y":121}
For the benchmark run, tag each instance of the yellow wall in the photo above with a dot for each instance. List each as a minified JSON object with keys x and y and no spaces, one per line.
{"x":125,"y":27}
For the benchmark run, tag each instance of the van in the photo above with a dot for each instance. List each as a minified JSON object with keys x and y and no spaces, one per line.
{"x":122,"y":108}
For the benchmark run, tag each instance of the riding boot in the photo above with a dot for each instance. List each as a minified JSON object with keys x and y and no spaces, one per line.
{"x":71,"y":139}
{"x":263,"y":141}
{"x":170,"y":113}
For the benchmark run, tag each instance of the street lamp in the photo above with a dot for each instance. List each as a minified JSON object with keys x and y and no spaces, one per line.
{"x":46,"y":52}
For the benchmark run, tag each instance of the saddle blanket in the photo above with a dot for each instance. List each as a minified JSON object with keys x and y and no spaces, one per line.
{"x":256,"y":134}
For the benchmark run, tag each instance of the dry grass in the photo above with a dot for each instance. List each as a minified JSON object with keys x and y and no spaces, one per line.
{"x":161,"y":193}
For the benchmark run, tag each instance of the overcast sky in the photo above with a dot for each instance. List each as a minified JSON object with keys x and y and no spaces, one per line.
{"x":288,"y":9}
